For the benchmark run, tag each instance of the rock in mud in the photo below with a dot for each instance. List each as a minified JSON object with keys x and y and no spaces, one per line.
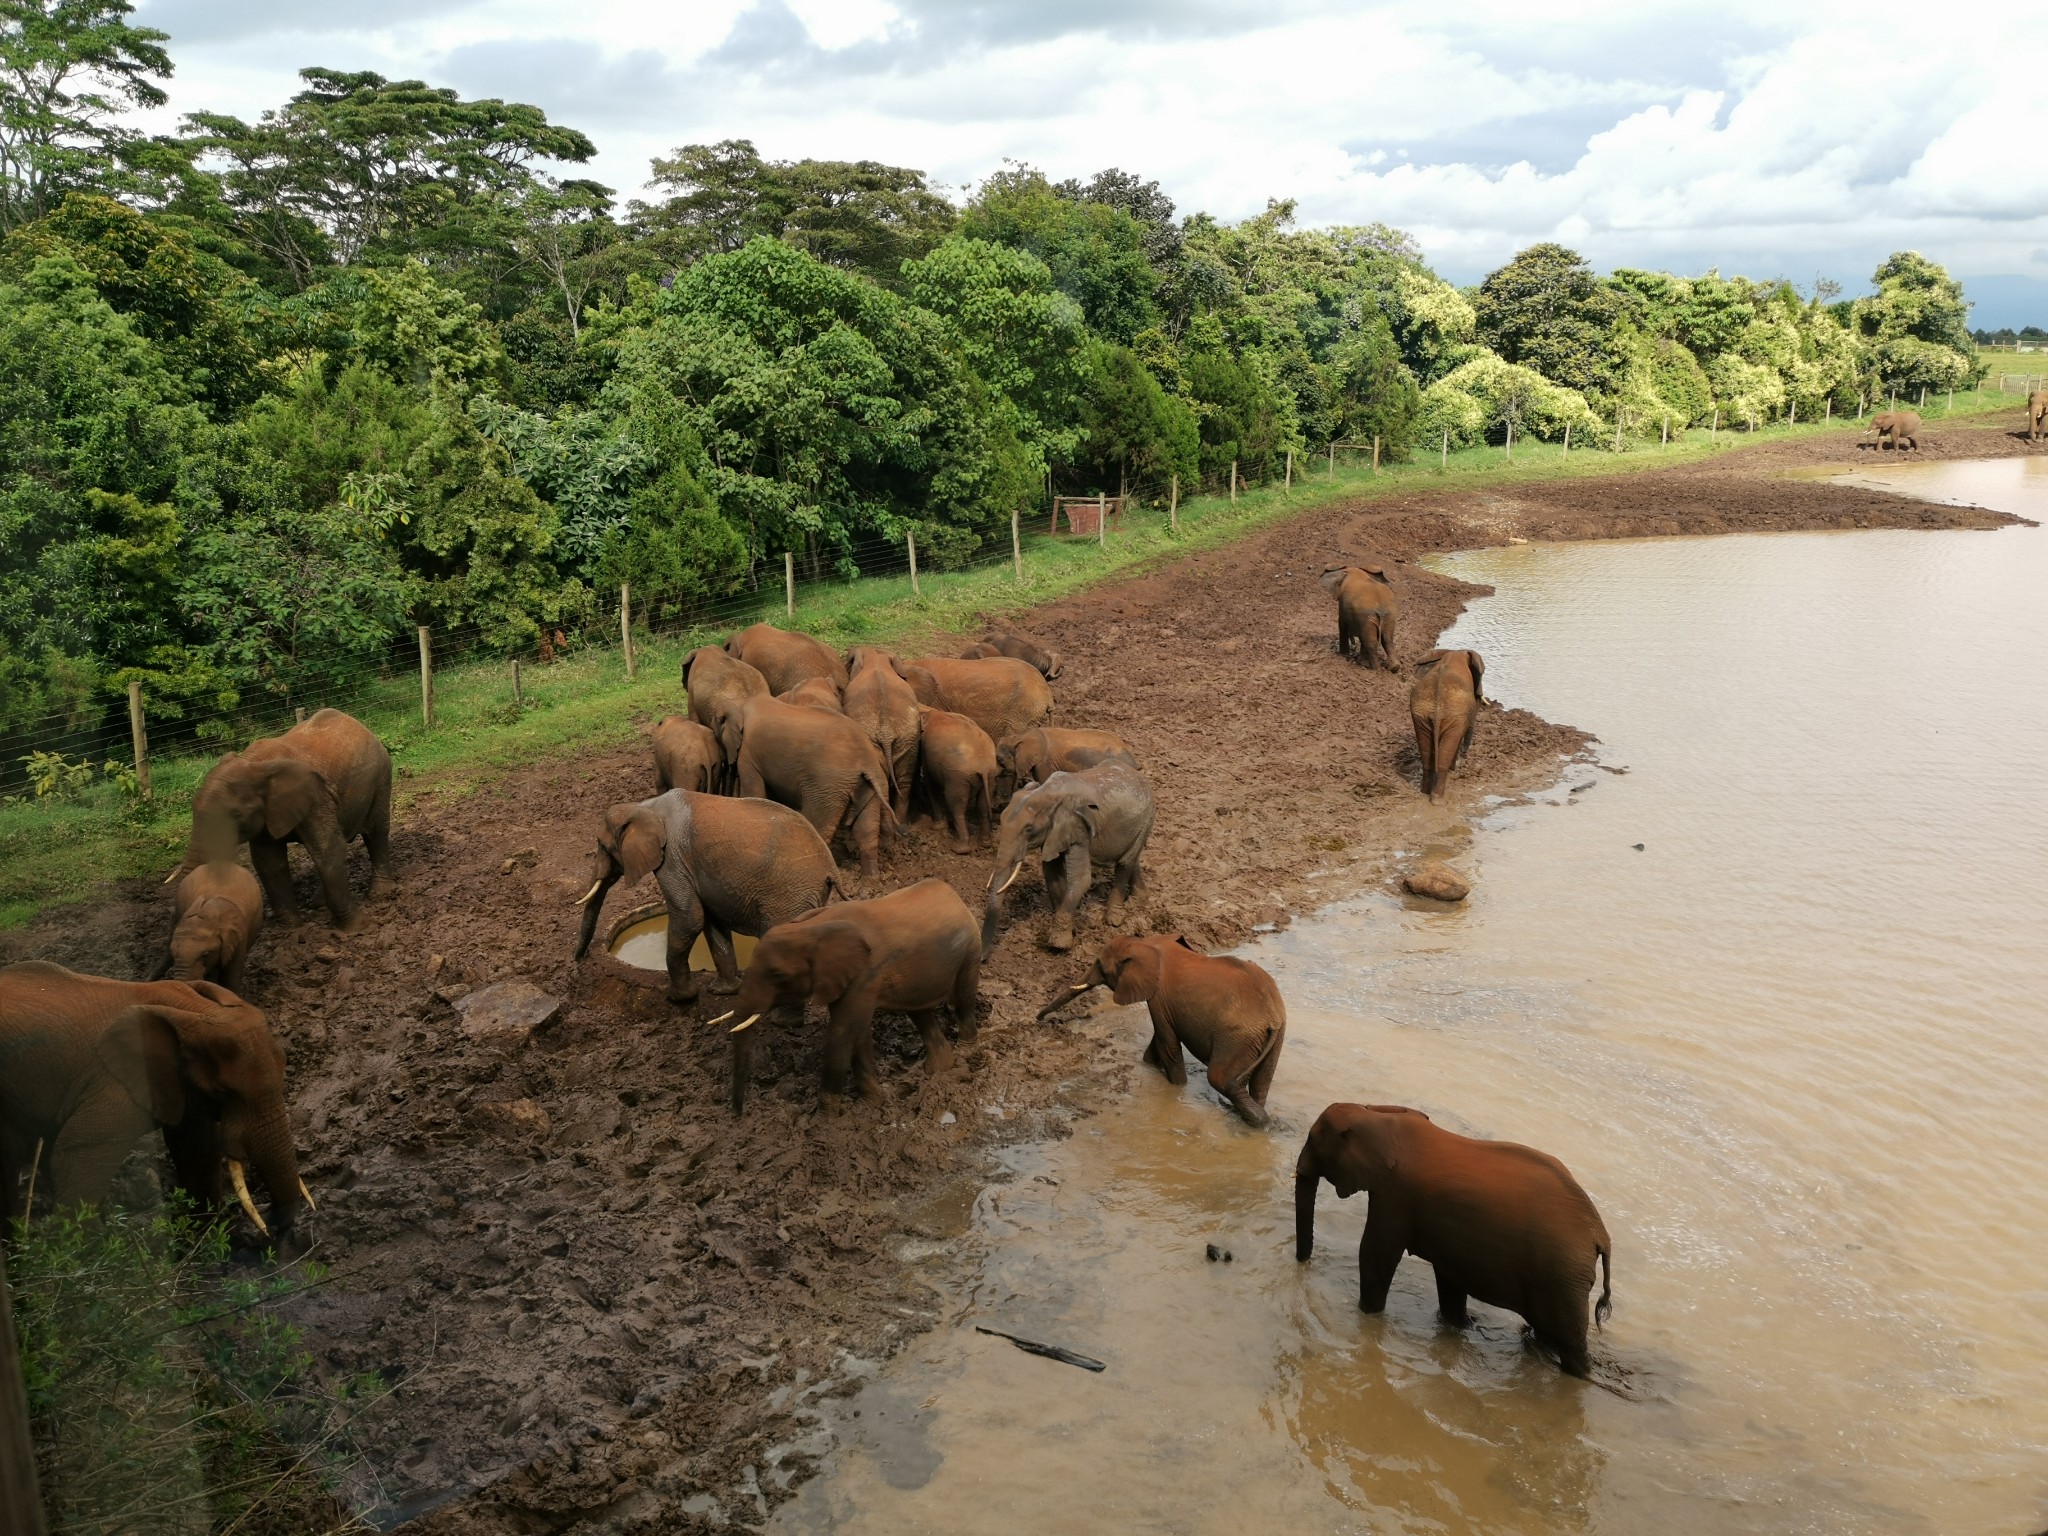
{"x":1437,"y":881}
{"x":509,"y":1011}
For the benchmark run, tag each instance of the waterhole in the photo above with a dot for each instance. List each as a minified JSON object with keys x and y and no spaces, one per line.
{"x":1791,"y":1044}
{"x":641,"y":940}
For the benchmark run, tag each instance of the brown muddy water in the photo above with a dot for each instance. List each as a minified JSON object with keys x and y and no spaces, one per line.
{"x":642,"y":941}
{"x":1793,"y":1047}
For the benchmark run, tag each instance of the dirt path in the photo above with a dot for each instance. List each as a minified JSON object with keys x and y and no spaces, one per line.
{"x":608,"y":1305}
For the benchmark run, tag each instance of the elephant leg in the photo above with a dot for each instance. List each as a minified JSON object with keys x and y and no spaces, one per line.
{"x":231,"y":973}
{"x":1164,"y":1052}
{"x":1379,"y":1255}
{"x":330,"y":857}
{"x":377,"y":843}
{"x":718,"y":939}
{"x":905,"y":765}
{"x":967,"y":997}
{"x":194,"y":1146}
{"x":1231,"y":1082}
{"x":866,"y":835}
{"x":850,"y":1050}
{"x":1425,"y":748}
{"x":1123,"y":879}
{"x":273,"y":867}
{"x":1559,"y":1321}
{"x":751,"y":785}
{"x":938,"y":1050}
{"x":1059,"y":933}
{"x":1261,"y":1080}
{"x":1450,"y":1298}
{"x":957,"y":794}
{"x":1383,"y":640}
{"x":685,"y":922}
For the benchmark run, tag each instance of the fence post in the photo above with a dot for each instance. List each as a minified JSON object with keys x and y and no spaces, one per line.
{"x":1951,"y":401}
{"x":426,"y":677}
{"x":1828,"y":419}
{"x":19,"y":1497}
{"x":1173,"y":506}
{"x":1288,"y":485}
{"x":1567,"y":439}
{"x":1375,"y":453}
{"x":1443,"y":463}
{"x":1102,"y":519}
{"x":1715,"y":431}
{"x":1233,"y":482}
{"x":1617,"y":431}
{"x":518,"y":699}
{"x":1665,"y":425}
{"x":138,"y":738}
{"x":299,"y":715}
{"x":626,"y":626}
{"x":1016,"y":546}
{"x":1511,"y":440}
{"x":910,"y":543}
{"x":1792,"y":416}
{"x":789,"y":582}
{"x":1333,"y":458}
{"x":1923,"y":397}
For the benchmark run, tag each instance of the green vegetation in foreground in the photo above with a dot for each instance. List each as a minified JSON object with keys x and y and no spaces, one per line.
{"x":54,"y":852}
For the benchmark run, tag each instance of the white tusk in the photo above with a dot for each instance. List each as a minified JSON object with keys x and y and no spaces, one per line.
{"x":723,"y":1017}
{"x":1011,"y":881}
{"x":242,"y":1194}
{"x":180,"y":869}
{"x":594,"y":886}
{"x":306,"y":1195}
{"x":745,"y":1023}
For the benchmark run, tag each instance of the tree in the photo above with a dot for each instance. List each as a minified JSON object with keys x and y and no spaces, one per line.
{"x":1143,"y":201}
{"x":68,"y":69}
{"x":561,"y":225}
{"x":1918,"y":326}
{"x":1546,"y":310}
{"x":1096,"y":253}
{"x":1137,"y":435}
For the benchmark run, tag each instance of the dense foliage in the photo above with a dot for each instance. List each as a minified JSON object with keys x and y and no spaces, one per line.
{"x":273,"y":392}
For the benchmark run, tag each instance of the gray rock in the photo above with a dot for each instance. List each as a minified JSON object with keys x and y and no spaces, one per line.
{"x":511,"y":1011}
{"x":1437,"y":881}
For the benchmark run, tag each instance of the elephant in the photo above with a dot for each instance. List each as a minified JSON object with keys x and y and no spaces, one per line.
{"x":1008,"y":643}
{"x":1073,"y":821}
{"x":1896,"y":427}
{"x":215,"y":914}
{"x":2037,"y":415}
{"x":998,"y":693}
{"x":981,"y":650}
{"x":1034,"y":756}
{"x":1366,"y":612}
{"x":817,"y":692}
{"x":687,"y":756}
{"x":958,"y":764}
{"x":884,"y":704}
{"x":323,"y":783}
{"x":912,"y":951}
{"x":93,"y":1064}
{"x":1442,"y":703}
{"x":1226,"y":1011}
{"x":1497,"y":1221}
{"x":724,"y":866}
{"x":819,"y":762}
{"x":785,"y":658}
{"x":719,"y":687}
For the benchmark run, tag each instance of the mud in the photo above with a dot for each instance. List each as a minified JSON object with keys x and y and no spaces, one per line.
{"x":603,"y":1303}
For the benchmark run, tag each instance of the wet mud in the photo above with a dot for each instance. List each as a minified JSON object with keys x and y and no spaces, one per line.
{"x":602,"y":1302}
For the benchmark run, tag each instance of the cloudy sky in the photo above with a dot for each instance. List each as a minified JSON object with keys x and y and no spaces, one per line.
{"x":1792,"y":138}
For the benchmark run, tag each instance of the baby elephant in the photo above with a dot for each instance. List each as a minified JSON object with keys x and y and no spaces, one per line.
{"x":1366,"y":611}
{"x":958,"y":763}
{"x":214,"y":917}
{"x":1227,"y":1011}
{"x":687,"y":756}
{"x":913,"y":951}
{"x":1501,"y":1222}
{"x":1443,"y":701}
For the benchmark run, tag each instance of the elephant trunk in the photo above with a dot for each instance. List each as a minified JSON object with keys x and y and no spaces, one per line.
{"x":992,"y":910}
{"x":593,"y":904}
{"x":276,"y":1161}
{"x":1306,"y":1180}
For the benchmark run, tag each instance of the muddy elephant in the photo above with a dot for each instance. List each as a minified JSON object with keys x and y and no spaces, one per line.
{"x":1443,"y":702}
{"x":1032,"y":757}
{"x":93,"y":1065}
{"x":913,"y":951}
{"x":1073,"y":821}
{"x":881,"y":701}
{"x":1500,"y":1222}
{"x":322,"y":784}
{"x":785,"y":658}
{"x":215,"y":914}
{"x":2037,"y":415}
{"x":1896,"y":429}
{"x":998,"y":693}
{"x":817,"y":692}
{"x":724,"y":866}
{"x":687,"y":756}
{"x":1005,"y":642}
{"x":1226,"y":1011}
{"x":1366,"y":613}
{"x":957,"y":765}
{"x":821,"y":763}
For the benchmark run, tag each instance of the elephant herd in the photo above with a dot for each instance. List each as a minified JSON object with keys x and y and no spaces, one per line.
{"x":786,"y":750}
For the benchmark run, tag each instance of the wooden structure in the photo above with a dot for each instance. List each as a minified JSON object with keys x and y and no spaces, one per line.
{"x":1084,"y":514}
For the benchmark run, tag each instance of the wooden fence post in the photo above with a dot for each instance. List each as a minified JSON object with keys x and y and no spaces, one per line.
{"x":626,"y":627}
{"x":1665,"y":425}
{"x":1173,"y":505}
{"x":1951,"y":401}
{"x":1375,"y":453}
{"x":299,"y":715}
{"x":1443,"y":463}
{"x":789,"y":582}
{"x":1792,"y":416}
{"x":21,"y":1502}
{"x":1333,"y":458}
{"x":1567,"y":439}
{"x":138,"y":738}
{"x":1016,"y":546}
{"x":1102,"y":519}
{"x":518,"y":699}
{"x":426,"y":677}
{"x":1288,"y":486}
{"x":910,"y":543}
{"x":1233,"y":482}
{"x":1829,"y":417}
{"x":1617,"y":431}
{"x":1923,"y":397}
{"x":1715,"y":430}
{"x":1511,"y":439}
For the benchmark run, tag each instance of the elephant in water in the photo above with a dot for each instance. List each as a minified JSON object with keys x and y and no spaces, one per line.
{"x":1366,"y":611}
{"x":1443,"y":701}
{"x":1073,"y":821}
{"x":1497,"y":1221}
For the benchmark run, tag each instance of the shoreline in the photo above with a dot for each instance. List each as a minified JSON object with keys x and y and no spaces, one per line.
{"x":617,"y":1299}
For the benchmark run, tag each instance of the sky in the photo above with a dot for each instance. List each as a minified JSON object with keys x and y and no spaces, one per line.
{"x":1794,"y":139}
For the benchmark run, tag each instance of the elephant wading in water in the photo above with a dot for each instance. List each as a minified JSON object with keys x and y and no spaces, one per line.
{"x":913,"y":951}
{"x":1497,"y":1221}
{"x":724,"y":866}
{"x":1366,"y":611}
{"x":323,"y":783}
{"x":785,"y":658}
{"x":687,"y":756}
{"x":821,"y":763}
{"x":881,"y":702}
{"x":1226,"y":1011}
{"x":93,"y":1064}
{"x":215,"y":914}
{"x":1073,"y":821}
{"x":1442,"y":703}
{"x":1032,"y":757}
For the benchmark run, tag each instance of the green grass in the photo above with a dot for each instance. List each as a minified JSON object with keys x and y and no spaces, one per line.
{"x":59,"y":852}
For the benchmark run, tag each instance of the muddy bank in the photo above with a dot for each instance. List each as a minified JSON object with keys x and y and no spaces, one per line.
{"x":609,"y":1306}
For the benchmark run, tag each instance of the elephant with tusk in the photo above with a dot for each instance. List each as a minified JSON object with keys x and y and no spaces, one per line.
{"x":1072,"y":822}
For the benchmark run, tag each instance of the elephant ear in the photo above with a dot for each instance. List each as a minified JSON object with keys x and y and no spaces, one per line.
{"x":1182,"y":940}
{"x":1075,"y":821}
{"x":140,"y":1052}
{"x":642,"y":846}
{"x":1137,"y":974}
{"x":1478,"y":665}
{"x":292,"y":793}
{"x":1424,"y":662}
{"x":1333,"y":578}
{"x":1378,"y":1136}
{"x":1379,"y":574}
{"x":839,"y":958}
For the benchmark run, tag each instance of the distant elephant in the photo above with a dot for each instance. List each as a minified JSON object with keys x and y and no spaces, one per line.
{"x":981,"y":650}
{"x":882,"y":702}
{"x":1366,"y":612}
{"x":93,"y":1065}
{"x":1497,"y":1221}
{"x":1894,"y":428}
{"x":323,"y":783}
{"x":1006,"y":642}
{"x":1073,"y":821}
{"x":817,"y":692}
{"x":1226,"y":1011}
{"x":785,"y":657}
{"x":724,"y":866}
{"x":1443,"y":701}
{"x":1035,"y":756}
{"x":957,"y":762}
{"x":2037,"y":415}
{"x":215,"y":914}
{"x":913,"y":951}
{"x":687,"y":756}
{"x":821,"y":763}
{"x":998,"y":693}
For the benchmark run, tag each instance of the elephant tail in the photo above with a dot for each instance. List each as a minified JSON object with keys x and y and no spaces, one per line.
{"x":1306,"y":1180}
{"x":1605,"y":1304}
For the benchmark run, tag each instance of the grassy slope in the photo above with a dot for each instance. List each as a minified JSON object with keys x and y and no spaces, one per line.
{"x":52,"y":853}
